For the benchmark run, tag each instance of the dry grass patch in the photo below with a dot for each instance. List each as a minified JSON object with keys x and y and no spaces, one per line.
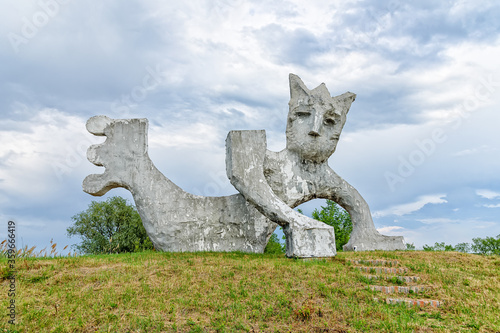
{"x":236,"y":292}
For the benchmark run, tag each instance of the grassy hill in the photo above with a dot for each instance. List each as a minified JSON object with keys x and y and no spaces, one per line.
{"x":237,"y":292}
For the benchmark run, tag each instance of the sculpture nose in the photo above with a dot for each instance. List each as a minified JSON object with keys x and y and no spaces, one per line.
{"x":316,"y":128}
{"x":313,"y":133}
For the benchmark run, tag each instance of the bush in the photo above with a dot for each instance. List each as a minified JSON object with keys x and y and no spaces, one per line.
{"x":111,"y":226}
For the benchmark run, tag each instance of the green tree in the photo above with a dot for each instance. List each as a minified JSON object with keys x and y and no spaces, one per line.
{"x":428,"y":247}
{"x":274,"y":246}
{"x":335,"y":216}
{"x":488,"y":245}
{"x":410,"y":246}
{"x":439,"y":247}
{"x":110,"y":226}
{"x":463,"y":247}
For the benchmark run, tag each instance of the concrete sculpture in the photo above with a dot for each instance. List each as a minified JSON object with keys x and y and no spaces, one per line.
{"x":270,"y":184}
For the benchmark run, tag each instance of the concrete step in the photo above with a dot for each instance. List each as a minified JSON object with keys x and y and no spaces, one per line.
{"x":407,"y":279}
{"x":383,"y":270}
{"x":399,"y":289}
{"x":411,"y":302}
{"x":375,"y":262}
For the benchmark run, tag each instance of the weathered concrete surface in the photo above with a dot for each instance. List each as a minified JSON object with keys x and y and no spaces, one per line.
{"x":300,"y":172}
{"x":270,"y":184}
{"x":174,"y":219}
{"x":245,"y":155}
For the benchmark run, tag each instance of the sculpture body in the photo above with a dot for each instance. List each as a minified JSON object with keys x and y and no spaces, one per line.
{"x":174,"y":220}
{"x":270,"y":184}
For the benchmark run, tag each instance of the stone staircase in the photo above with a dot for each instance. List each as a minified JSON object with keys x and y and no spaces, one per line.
{"x":407,"y":279}
{"x":391,"y":271}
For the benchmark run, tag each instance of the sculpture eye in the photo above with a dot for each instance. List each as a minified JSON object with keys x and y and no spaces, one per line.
{"x":329,"y":121}
{"x":303,"y":114}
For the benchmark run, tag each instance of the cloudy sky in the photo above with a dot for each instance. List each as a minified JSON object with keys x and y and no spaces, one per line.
{"x":421,"y":142}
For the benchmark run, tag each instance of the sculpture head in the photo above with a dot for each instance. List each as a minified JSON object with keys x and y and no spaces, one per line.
{"x":315,"y":120}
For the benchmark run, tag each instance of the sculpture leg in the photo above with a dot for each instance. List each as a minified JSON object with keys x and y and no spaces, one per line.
{"x":309,"y":242}
{"x":245,"y":153}
{"x":364,"y":236}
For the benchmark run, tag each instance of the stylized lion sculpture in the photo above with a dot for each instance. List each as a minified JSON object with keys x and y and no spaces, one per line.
{"x":270,"y":184}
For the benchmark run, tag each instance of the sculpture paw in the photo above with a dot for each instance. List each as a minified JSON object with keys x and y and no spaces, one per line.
{"x":124,"y":148}
{"x":375,"y":241}
{"x":310,"y":242}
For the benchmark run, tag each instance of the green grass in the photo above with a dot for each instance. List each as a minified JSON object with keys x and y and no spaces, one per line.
{"x":237,"y":292}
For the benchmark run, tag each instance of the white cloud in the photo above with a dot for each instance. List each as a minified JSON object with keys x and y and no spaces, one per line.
{"x":437,"y":221}
{"x":37,"y":155}
{"x":488,"y":194}
{"x":471,"y":151}
{"x":460,"y":231}
{"x":389,"y":230}
{"x":220,"y":56}
{"x":411,"y":207}
{"x":486,"y":225}
{"x":492,"y":206}
{"x":465,"y":152}
{"x":196,"y":135}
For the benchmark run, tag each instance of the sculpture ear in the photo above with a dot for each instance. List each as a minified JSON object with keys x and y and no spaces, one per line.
{"x":297,"y":88}
{"x":347,"y":99}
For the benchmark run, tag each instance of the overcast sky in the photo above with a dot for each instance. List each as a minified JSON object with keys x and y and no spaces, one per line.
{"x":421,"y":142}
